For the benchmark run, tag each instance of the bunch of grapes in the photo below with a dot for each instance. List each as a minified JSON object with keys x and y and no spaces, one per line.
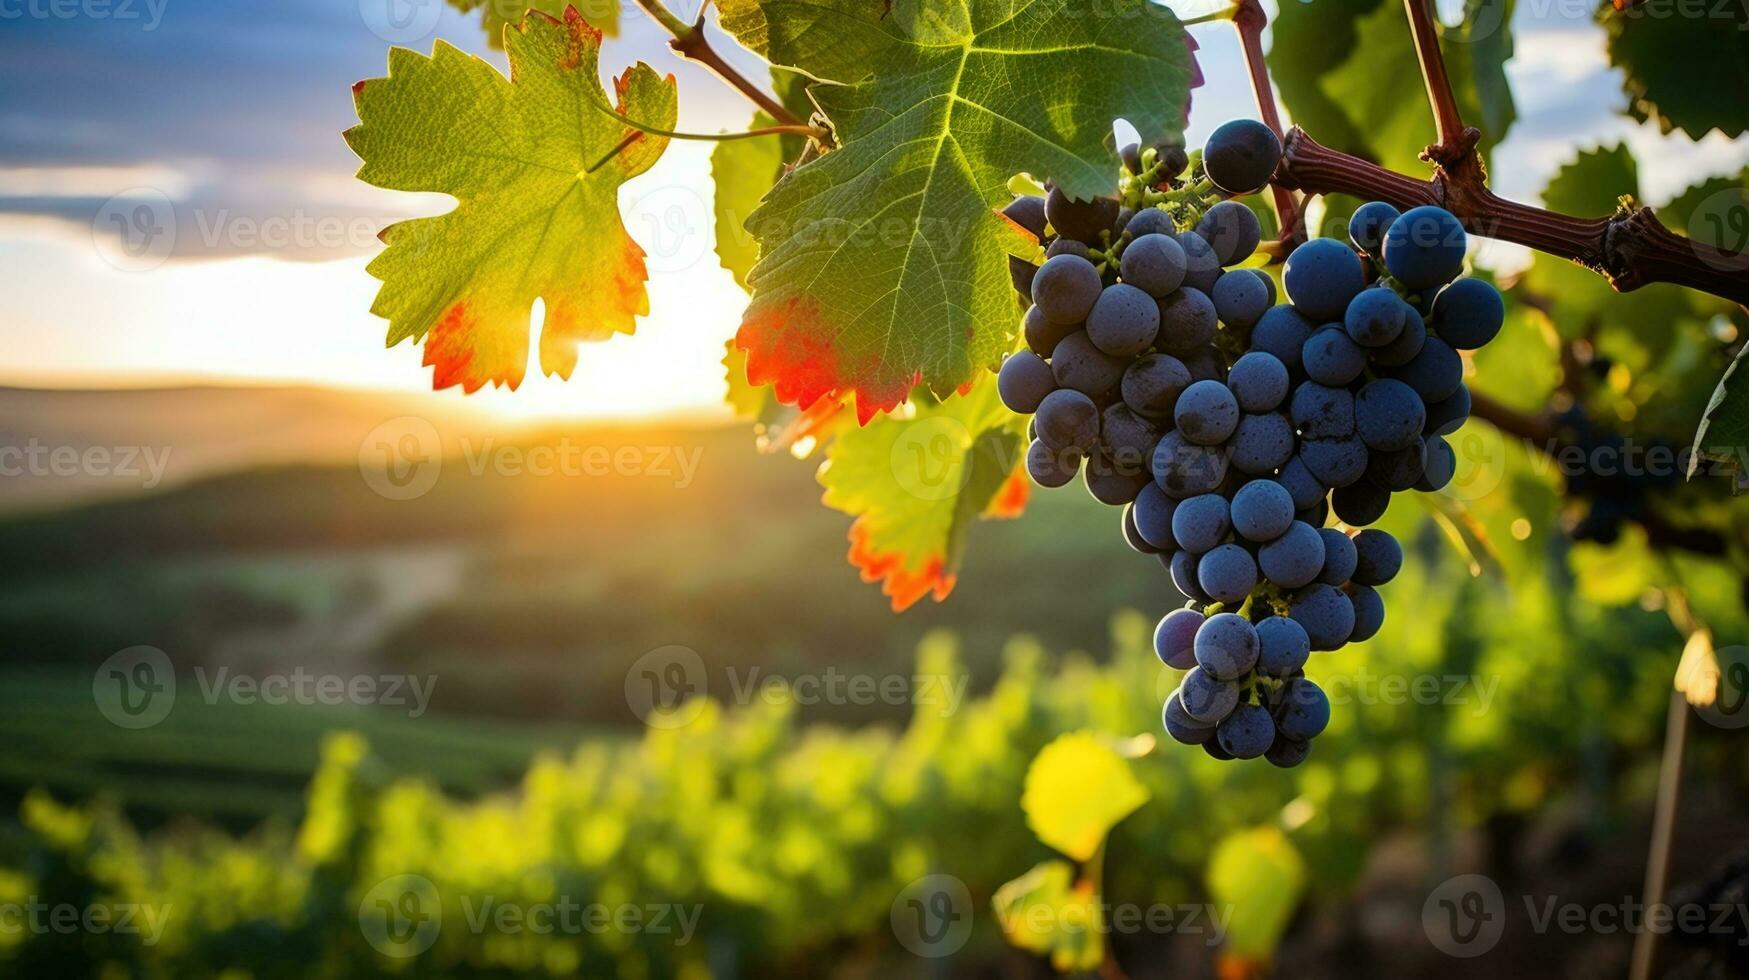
{"x":1231,"y":430}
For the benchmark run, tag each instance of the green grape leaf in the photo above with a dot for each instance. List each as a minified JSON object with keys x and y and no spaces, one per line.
{"x":532,"y":222}
{"x":1078,"y":788}
{"x":1047,"y":912}
{"x":1723,"y":432}
{"x":1260,"y":876}
{"x":1682,"y":71}
{"x":496,"y":15}
{"x":1594,"y":182}
{"x":915,"y":483}
{"x":880,"y":266}
{"x":744,"y":170}
{"x":1328,"y":58}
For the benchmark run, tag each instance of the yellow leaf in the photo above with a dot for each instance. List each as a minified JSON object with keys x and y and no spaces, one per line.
{"x":1077,"y":789}
{"x":1256,"y":877}
{"x":1047,"y":912}
{"x":1697,"y":676}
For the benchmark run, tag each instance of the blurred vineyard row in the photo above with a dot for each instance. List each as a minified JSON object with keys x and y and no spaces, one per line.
{"x":792,"y":842}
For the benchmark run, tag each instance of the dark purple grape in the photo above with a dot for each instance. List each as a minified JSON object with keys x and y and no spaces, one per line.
{"x":1259,"y":381}
{"x":1262,"y":510}
{"x":1240,"y":156}
{"x":1153,"y":263}
{"x":1028,"y":212}
{"x":1331,"y":357}
{"x":1181,"y":726}
{"x":1184,"y":469}
{"x":1247,"y":733}
{"x":1322,"y":276}
{"x":1378,"y":557}
{"x":1441,"y":465}
{"x":1153,"y":515}
{"x":1435,"y":373}
{"x":1049,"y":467}
{"x":1205,"y":697}
{"x":1207,"y":413}
{"x":1369,"y":613}
{"x":1202,"y":267}
{"x":1325,"y":613}
{"x":1366,"y":229}
{"x":1262,"y":443}
{"x":1282,"y":331}
{"x":1042,"y":334}
{"x":1187,"y":322}
{"x":1339,"y":557}
{"x":1374,"y":317}
{"x":1361,"y":502}
{"x":1388,"y":415}
{"x":1302,"y":711}
{"x":1066,"y":287}
{"x":1024,"y":381}
{"x":1335,"y":462}
{"x":1080,"y":366}
{"x":1124,"y":321}
{"x":1201,"y":522}
{"x":1321,"y":412}
{"x":1152,"y":383}
{"x":1301,"y":485}
{"x":1446,"y":416}
{"x":1295,"y":558}
{"x":1084,"y":221}
{"x":1468,"y":313}
{"x":1232,"y":230}
{"x":1282,"y":646}
{"x":1424,"y":248}
{"x":1228,"y":573}
{"x":1175,"y":638}
{"x":1225,"y":646}
{"x":1068,"y":419}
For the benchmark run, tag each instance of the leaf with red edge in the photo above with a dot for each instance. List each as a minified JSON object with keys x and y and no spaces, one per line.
{"x":916,"y":482}
{"x":880,"y":265}
{"x":535,"y":163}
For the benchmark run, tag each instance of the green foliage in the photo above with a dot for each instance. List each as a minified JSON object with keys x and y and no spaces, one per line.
{"x":497,"y":16}
{"x":1329,"y":57}
{"x":880,"y":263}
{"x":1685,"y":69}
{"x":536,"y":163}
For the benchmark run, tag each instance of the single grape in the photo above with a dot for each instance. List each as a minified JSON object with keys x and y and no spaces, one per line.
{"x":1154,"y":262}
{"x":1262,"y":510}
{"x":1184,"y":469}
{"x":1302,"y":710}
{"x":1369,"y":613}
{"x":1262,"y":443}
{"x":1448,"y":414}
{"x":1282,"y":331}
{"x":1286,"y":753}
{"x":1024,"y":381}
{"x":1388,"y":415}
{"x":1295,"y":558}
{"x":1468,"y":313}
{"x":1068,"y":246}
{"x":1374,"y":317}
{"x":1325,"y":613}
{"x":1441,"y":465}
{"x":1322,"y":276}
{"x":1150,"y":221}
{"x":1225,"y":646}
{"x":1028,"y":211}
{"x":1051,"y":468}
{"x":1331,"y":357}
{"x":1282,"y":646}
{"x":1214,"y":750}
{"x":1124,"y":321}
{"x":1259,"y":381}
{"x":1152,"y":383}
{"x":1241,"y":297}
{"x":1128,"y":437}
{"x":1084,"y":221}
{"x":1205,"y":697}
{"x":1322,"y":412}
{"x":1080,"y":366}
{"x":1378,"y":557}
{"x":1202,"y":267}
{"x":1175,"y":638}
{"x":1361,"y":502}
{"x":1335,"y":462}
{"x":1204,"y":365}
{"x":1068,"y":420}
{"x":1022,"y":275}
{"x":1112,"y":479}
{"x":1425,"y":247}
{"x":1201,"y":522}
{"x":1182,"y":565}
{"x":1066,"y":287}
{"x":1232,"y":229}
{"x":1398,"y":470}
{"x":1187,"y":322}
{"x":1435,"y":373}
{"x":1207,"y":413}
{"x":1042,"y":334}
{"x":1154,"y":512}
{"x":1172,"y":158}
{"x":1132,"y":535}
{"x":1300,"y":484}
{"x":1366,"y":228}
{"x":1248,"y":732}
{"x":1339,"y":557}
{"x":1228,"y":573}
{"x":1408,"y":343}
{"x":1131,"y":155}
{"x":1240,"y":156}
{"x":1316,"y":515}
{"x":1181,"y":726}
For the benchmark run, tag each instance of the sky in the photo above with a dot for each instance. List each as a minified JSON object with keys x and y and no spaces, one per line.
{"x":223,"y":119}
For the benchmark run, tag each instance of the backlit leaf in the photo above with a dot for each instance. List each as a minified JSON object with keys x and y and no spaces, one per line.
{"x":1046,"y":911}
{"x":532,"y":222}
{"x":1685,"y":69}
{"x":1077,"y":789}
{"x":1258,"y":877}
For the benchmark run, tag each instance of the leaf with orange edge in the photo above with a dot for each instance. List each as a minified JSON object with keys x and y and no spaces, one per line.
{"x":496,"y":15}
{"x":916,"y":481}
{"x":534,"y":219}
{"x":881,"y":266}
